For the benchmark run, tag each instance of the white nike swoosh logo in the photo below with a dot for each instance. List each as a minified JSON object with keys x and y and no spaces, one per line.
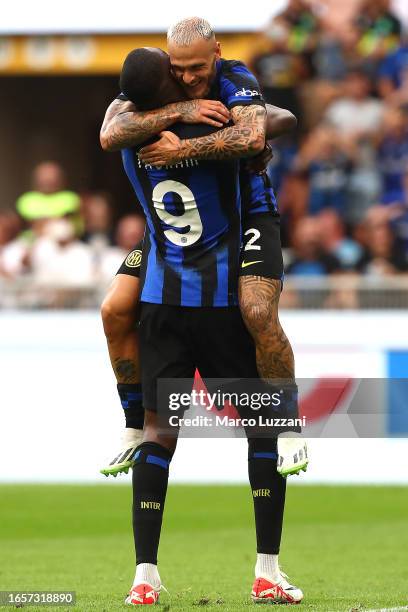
{"x":250,"y":263}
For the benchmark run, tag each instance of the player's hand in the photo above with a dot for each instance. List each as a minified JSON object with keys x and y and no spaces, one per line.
{"x":165,"y":152}
{"x":259,"y":163}
{"x":211,"y":112}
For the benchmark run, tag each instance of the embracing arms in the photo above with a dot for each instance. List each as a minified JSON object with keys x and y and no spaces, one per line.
{"x":246,"y":138}
{"x":253,"y":125}
{"x":125,"y":126}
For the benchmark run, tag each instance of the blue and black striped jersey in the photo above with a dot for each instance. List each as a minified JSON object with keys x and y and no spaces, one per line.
{"x":193,"y":230}
{"x":257,"y":194}
{"x":193,"y":212}
{"x":235,"y":85}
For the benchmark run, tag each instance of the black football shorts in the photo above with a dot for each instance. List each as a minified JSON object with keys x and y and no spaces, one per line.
{"x":261,"y":253}
{"x":175,"y":341}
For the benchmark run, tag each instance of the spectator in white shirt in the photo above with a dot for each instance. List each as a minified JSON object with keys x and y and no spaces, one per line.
{"x":356,"y":114}
{"x":129,"y":233}
{"x":59,"y":259}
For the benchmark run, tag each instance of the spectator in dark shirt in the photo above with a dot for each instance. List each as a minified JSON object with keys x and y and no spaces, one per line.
{"x":279,"y":69}
{"x":378,"y":32}
{"x":304,"y":29}
{"x":328,"y":163}
{"x":309,"y":257}
{"x":393,"y":155}
{"x":383,"y":255}
{"x":97,"y":213}
{"x":393,"y":75}
{"x":336,"y":242}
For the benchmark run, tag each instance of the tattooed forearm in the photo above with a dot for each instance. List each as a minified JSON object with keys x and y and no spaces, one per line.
{"x":124,"y":126}
{"x":125,"y":371}
{"x":259,"y":298}
{"x":244,"y":139}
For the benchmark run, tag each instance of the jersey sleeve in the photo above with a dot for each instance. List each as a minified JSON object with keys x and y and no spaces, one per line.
{"x":244,"y":188}
{"x":238,"y":86}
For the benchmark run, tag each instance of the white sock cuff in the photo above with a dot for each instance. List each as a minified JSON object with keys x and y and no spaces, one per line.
{"x":267,"y":566}
{"x":147,"y":572}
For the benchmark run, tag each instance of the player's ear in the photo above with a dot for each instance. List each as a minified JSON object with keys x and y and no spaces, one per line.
{"x":217,"y":50}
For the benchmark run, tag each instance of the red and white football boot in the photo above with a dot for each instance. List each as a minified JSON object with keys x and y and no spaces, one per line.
{"x":265,"y":591}
{"x":143,"y":594}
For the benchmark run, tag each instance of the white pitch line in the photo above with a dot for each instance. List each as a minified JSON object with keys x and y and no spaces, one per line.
{"x":387,"y":609}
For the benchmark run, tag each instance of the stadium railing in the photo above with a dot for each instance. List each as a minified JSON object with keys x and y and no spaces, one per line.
{"x":340,"y":291}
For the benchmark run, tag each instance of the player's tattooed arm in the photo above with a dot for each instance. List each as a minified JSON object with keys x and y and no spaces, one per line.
{"x":258,"y":300}
{"x":125,"y":126}
{"x":279,"y":121}
{"x":245,"y":138}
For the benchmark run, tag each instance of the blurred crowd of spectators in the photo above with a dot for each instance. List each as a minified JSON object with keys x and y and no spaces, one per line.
{"x":341,"y":179}
{"x":61,"y":239}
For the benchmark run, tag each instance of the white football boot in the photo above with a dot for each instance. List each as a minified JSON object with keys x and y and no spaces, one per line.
{"x":132,"y":438}
{"x":292,"y":453}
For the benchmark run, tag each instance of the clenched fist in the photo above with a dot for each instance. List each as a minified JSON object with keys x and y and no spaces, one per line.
{"x":165,"y":152}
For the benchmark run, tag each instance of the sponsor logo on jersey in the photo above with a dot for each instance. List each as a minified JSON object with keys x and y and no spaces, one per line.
{"x":247,"y":93}
{"x":133,"y":260}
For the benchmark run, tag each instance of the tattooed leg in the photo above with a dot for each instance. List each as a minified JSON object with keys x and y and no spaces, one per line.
{"x":119,"y":311}
{"x":119,"y":316}
{"x":259,"y":299}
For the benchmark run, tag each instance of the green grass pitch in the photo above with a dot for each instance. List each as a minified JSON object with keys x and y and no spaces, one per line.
{"x":346,"y":547}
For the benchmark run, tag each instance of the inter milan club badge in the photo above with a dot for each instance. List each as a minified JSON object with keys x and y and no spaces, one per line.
{"x":134,"y":259}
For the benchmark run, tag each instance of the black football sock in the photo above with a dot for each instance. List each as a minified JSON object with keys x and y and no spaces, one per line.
{"x":268,"y":492}
{"x":131,"y":400}
{"x":150,"y":477}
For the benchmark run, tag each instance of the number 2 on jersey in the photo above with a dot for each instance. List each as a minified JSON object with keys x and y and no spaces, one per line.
{"x":189,"y":221}
{"x":255,"y":235}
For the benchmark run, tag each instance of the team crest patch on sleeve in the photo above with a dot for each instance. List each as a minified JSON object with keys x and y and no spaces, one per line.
{"x":134,"y":259}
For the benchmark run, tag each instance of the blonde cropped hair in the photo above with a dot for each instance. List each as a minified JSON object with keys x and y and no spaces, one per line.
{"x":185,"y":31}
